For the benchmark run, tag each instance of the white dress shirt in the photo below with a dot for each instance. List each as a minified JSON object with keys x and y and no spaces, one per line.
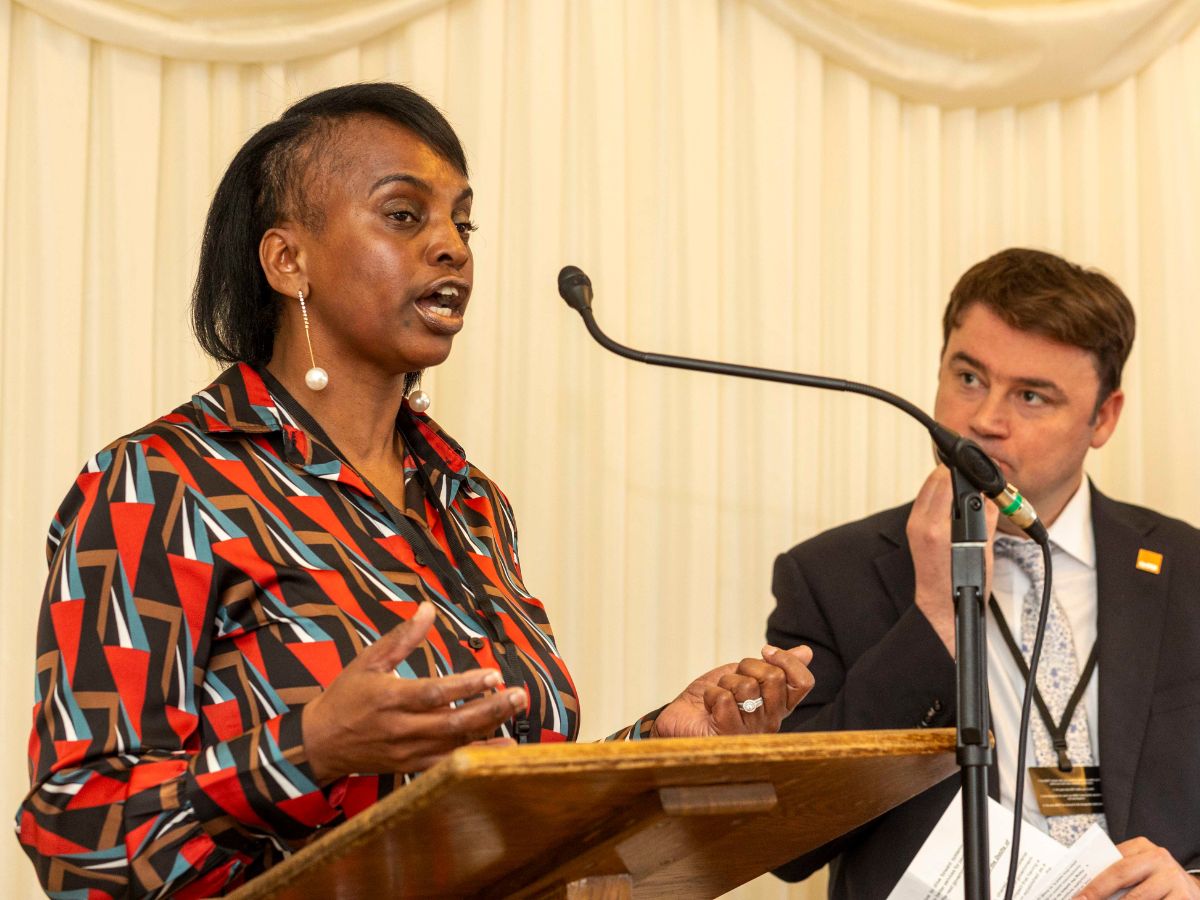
{"x":1073,"y":558}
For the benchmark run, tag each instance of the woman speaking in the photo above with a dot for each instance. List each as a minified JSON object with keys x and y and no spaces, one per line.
{"x":278,"y":602}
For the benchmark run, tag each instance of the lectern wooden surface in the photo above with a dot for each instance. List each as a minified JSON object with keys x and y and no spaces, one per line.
{"x":679,"y":818}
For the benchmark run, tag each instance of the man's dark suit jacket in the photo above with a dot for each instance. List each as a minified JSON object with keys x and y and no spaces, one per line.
{"x":848,"y":593}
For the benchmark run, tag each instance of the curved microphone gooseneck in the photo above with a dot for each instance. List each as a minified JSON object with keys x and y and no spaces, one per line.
{"x":979,"y":469}
{"x":973,"y":471}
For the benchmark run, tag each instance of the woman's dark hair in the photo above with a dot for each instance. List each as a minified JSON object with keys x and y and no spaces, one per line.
{"x":234,"y":312}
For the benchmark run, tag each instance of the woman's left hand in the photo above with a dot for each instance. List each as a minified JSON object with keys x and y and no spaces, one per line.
{"x":727,"y":699}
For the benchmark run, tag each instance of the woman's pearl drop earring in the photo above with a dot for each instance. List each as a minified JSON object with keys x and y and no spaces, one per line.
{"x":316,"y":378}
{"x":419,"y":401}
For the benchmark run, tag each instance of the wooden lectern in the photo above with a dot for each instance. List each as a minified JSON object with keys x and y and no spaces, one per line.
{"x":679,"y":817}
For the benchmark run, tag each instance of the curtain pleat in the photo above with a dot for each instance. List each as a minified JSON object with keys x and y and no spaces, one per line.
{"x":231,"y":32}
{"x":733,"y":189}
{"x":951,"y":52}
{"x":986,"y":54}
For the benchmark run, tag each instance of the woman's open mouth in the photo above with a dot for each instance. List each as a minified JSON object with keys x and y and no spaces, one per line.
{"x":442,"y":308}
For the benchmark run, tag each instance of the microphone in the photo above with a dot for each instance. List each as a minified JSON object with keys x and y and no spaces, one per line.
{"x":575,"y":287}
{"x":971,"y":465}
{"x":968,"y":457}
{"x":985,"y":475}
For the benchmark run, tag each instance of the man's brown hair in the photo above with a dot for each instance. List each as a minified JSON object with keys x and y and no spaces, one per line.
{"x":1044,"y":294}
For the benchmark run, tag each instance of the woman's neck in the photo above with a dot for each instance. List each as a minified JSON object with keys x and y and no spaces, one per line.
{"x":356,"y":409}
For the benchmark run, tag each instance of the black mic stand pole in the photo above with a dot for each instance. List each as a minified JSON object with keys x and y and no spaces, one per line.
{"x":968,"y":538}
{"x":972,"y":472}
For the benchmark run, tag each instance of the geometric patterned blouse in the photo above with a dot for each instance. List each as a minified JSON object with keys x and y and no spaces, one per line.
{"x":209,"y":575}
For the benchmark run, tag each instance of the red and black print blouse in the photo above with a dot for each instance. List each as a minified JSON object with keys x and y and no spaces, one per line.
{"x":211,"y":574}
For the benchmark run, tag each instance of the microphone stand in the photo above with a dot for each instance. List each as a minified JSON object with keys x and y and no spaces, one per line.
{"x":973,"y":473}
{"x":968,"y":538}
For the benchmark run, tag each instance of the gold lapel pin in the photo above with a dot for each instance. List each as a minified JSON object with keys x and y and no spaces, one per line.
{"x":1149,"y":561}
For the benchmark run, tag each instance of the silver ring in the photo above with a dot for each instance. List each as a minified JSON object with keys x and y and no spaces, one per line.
{"x":749,"y":706}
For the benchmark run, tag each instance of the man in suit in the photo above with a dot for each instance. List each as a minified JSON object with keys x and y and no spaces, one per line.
{"x":1031,"y":370}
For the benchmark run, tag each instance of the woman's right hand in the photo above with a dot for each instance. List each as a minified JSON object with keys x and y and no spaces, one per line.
{"x":370,"y":721}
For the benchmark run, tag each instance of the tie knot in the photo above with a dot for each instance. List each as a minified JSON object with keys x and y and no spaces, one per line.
{"x":1026,"y":554}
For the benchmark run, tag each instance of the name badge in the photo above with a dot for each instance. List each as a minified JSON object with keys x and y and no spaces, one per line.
{"x":1060,"y":793}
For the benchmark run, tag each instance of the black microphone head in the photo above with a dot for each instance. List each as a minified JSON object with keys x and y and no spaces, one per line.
{"x":575,"y":287}
{"x":976,"y":466}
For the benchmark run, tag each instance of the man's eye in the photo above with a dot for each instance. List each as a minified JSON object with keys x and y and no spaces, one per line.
{"x":970,"y":379}
{"x":1033,"y":398}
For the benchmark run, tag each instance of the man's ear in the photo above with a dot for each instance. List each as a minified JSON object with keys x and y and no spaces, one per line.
{"x":282,"y":260}
{"x":1105,"y":421}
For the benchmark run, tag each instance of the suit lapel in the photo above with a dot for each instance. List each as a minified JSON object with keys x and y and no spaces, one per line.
{"x":1131,"y":608}
{"x":895,"y":568}
{"x":895,"y":565}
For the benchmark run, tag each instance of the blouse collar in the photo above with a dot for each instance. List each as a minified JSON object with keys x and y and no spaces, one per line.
{"x":245,"y":401}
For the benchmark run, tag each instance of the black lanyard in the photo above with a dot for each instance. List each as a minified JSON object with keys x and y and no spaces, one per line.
{"x":1058,"y":733}
{"x":462,"y":579}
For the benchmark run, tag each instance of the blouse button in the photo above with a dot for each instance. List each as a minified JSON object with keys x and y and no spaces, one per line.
{"x":475,"y":643}
{"x":419,"y":559}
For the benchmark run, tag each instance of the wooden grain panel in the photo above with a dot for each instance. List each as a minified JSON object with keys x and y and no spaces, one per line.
{"x":490,"y":821}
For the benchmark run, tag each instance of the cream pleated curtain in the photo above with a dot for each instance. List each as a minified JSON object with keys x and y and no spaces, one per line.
{"x":789,"y":183}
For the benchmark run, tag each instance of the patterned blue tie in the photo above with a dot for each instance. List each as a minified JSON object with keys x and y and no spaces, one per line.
{"x":1058,"y":673}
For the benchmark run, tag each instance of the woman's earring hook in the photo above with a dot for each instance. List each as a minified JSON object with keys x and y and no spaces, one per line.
{"x":316,"y":378}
